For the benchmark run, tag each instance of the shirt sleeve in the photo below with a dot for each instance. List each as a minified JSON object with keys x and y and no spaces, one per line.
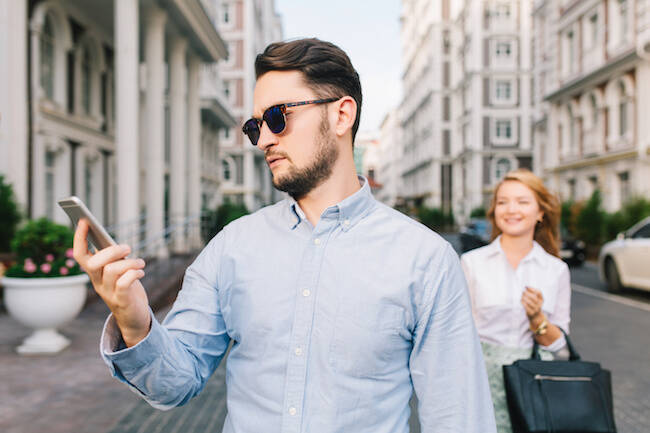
{"x":469,"y":278}
{"x":174,"y":361}
{"x":446,"y":363}
{"x":561,"y":316}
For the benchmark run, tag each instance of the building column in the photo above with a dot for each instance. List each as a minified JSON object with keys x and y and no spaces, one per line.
{"x":126,"y":32}
{"x":194,"y":151}
{"x":13,"y":97}
{"x":155,"y":130}
{"x":178,"y":109}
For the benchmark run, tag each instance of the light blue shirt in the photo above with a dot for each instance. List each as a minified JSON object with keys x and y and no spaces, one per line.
{"x":333,"y":326}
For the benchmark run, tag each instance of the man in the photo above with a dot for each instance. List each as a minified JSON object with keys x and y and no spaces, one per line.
{"x":337,"y":306}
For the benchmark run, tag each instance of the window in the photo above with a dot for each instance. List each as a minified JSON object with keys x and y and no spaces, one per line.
{"x":623,"y":9}
{"x":572,"y":189}
{"x":88,"y":182}
{"x":624,"y":183}
{"x":503,"y":166}
{"x":503,"y":90}
{"x":593,"y":24}
{"x":50,"y":159}
{"x":503,"y":50}
{"x":594,"y":111}
{"x":642,"y":233}
{"x":47,"y":58}
{"x":226,"y":171}
{"x":225,"y":12}
{"x":622,"y":110}
{"x":502,"y":11}
{"x":86,"y":79}
{"x":226,"y":88}
{"x":504,"y":129}
{"x":571,"y":51}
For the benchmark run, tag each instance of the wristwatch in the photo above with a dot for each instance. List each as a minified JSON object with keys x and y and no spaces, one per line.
{"x":541,"y":329}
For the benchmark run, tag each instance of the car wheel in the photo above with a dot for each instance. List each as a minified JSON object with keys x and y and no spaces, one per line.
{"x":613,"y":279}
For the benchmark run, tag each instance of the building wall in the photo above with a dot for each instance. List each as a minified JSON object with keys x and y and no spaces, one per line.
{"x":248,"y":27}
{"x":596,"y":135}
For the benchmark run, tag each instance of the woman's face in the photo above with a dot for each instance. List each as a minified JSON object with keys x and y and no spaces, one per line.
{"x":516,"y":211}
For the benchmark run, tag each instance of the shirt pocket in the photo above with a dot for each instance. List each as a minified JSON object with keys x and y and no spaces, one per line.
{"x":368,"y":340}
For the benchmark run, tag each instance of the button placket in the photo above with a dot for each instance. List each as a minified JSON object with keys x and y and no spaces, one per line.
{"x":301,"y":332}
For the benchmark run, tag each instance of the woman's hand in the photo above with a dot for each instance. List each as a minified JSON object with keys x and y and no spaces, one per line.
{"x":532,"y":300}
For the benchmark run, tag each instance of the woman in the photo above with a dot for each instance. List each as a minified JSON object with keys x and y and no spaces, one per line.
{"x":519,"y":287}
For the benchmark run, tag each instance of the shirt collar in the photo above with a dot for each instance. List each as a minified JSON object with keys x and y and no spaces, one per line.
{"x":537,"y":253}
{"x":348,"y":212}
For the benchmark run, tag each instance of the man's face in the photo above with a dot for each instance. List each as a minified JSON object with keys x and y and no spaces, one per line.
{"x":302,"y":156}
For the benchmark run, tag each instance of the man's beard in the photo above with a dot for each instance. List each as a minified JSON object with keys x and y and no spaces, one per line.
{"x":298,"y":182}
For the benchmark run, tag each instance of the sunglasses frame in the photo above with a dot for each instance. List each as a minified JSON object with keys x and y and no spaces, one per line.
{"x":250,"y":130}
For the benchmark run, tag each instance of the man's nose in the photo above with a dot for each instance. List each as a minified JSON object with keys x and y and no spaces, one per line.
{"x":267,"y":138}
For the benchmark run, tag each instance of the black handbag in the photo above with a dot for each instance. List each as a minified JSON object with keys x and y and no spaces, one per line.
{"x":571,"y":396}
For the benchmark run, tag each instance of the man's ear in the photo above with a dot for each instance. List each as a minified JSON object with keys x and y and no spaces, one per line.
{"x":346,"y":114}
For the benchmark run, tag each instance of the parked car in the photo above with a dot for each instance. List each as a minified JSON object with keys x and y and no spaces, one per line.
{"x":476,"y":233}
{"x":625,"y":261}
{"x":572,"y":250}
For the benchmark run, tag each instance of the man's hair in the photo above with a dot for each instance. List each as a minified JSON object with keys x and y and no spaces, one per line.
{"x":326,"y":68}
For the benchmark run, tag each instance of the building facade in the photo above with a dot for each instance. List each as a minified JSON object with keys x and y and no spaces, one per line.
{"x":425,"y":110}
{"x":247,"y":26}
{"x":102,"y":99}
{"x":389,"y":161}
{"x":492,"y":82}
{"x":594,"y":94}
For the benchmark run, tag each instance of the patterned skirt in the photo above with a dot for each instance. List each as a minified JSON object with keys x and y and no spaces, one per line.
{"x":495,"y":358}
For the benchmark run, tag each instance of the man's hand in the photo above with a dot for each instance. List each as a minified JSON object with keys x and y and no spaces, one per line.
{"x":117,"y":281}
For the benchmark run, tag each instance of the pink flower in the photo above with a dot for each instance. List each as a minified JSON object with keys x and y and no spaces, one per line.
{"x":46,"y":268}
{"x":63,"y":270}
{"x":29,"y":267}
{"x":70,"y":263}
{"x":69,"y":253}
{"x":49,"y":257}
{"x":28,"y":260}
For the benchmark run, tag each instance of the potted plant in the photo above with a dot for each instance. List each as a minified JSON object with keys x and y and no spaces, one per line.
{"x":45,"y":287}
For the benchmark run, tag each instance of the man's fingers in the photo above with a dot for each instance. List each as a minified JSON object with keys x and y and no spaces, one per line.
{"x":80,"y":243}
{"x":113,"y":271}
{"x":103,"y":257}
{"x":124,"y":282}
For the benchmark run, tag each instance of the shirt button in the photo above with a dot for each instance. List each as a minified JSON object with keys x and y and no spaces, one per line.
{"x":292,"y":411}
{"x":298,"y":351}
{"x":306,"y":293}
{"x":316,"y":241}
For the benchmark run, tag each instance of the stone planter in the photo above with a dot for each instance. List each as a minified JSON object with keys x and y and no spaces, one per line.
{"x":44,"y":304}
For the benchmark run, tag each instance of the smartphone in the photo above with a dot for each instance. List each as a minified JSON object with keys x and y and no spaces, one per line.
{"x":76,"y":209}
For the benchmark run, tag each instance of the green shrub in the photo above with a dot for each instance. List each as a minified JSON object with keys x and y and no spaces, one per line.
{"x":215,"y":220}
{"x":478,"y":212}
{"x":43,"y":249}
{"x":435,"y":218}
{"x":9,"y":215}
{"x":590,"y":222}
{"x":633,"y":211}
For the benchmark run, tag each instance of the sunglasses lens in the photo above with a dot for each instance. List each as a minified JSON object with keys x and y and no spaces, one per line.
{"x":252,"y":129}
{"x":274,"y":118}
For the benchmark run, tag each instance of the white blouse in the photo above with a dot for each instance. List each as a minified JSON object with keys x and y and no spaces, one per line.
{"x":496,"y":288}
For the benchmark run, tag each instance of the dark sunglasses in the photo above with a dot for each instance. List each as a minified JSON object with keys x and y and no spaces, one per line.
{"x":275,"y":118}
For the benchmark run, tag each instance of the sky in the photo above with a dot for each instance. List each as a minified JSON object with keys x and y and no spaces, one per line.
{"x":368,"y":31}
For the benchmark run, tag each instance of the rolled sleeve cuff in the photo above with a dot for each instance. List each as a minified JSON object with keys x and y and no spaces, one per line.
{"x":555,"y":346}
{"x":125,"y":362}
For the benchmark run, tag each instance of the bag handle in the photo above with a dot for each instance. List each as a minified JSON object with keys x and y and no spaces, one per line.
{"x":573,"y":353}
